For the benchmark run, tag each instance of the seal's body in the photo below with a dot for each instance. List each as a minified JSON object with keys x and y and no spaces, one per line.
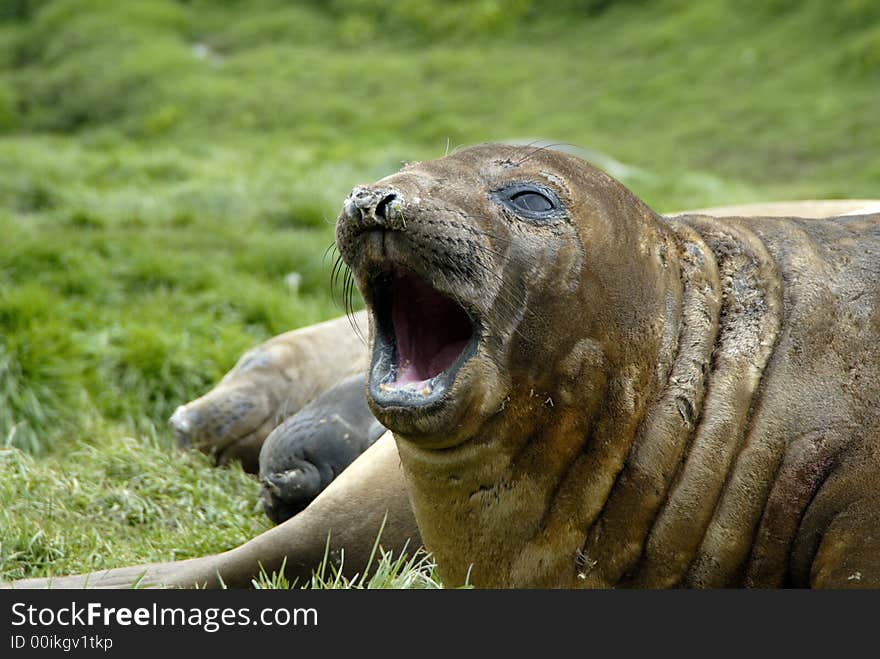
{"x":585,"y":393}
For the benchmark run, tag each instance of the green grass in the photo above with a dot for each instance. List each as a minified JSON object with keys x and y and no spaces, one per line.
{"x":115,"y":500}
{"x":164,"y":165}
{"x":409,"y":570}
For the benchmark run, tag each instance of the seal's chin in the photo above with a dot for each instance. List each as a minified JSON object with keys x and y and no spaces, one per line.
{"x":422,"y":338}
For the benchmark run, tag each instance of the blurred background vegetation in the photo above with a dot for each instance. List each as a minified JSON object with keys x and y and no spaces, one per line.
{"x":165,"y":163}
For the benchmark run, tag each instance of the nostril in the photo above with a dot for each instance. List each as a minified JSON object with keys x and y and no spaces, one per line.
{"x":382,"y":208}
{"x":181,"y":426}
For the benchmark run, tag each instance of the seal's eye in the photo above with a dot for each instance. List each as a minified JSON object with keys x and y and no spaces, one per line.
{"x":530,"y":201}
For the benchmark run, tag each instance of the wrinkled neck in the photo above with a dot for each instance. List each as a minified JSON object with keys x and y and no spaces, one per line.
{"x":511,"y":506}
{"x":656,"y":527}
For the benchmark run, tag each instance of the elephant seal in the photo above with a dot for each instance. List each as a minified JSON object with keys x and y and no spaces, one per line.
{"x":268,"y":384}
{"x":302,"y":455}
{"x":585,"y":393}
{"x":638,"y":400}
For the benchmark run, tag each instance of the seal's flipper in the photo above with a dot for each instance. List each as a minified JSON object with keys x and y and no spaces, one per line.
{"x":311,"y":448}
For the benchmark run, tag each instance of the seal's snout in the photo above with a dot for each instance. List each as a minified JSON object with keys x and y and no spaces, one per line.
{"x":182,"y":426}
{"x":375,"y":208}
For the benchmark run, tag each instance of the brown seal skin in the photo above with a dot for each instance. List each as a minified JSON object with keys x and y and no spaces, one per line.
{"x":269,"y":384}
{"x":648,"y":401}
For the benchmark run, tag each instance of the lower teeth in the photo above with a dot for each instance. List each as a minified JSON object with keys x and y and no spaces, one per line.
{"x":424,"y":391}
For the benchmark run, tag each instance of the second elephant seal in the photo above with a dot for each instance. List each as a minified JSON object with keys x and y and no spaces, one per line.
{"x":269,"y":383}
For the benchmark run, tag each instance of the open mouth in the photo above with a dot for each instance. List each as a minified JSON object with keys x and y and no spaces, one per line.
{"x":422,"y":339}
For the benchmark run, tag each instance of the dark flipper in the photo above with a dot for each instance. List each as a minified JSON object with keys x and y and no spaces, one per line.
{"x":306,"y":452}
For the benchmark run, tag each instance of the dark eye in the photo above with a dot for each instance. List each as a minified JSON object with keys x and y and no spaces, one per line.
{"x":531,"y":201}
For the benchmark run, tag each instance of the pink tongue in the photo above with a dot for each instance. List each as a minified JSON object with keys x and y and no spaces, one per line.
{"x":430,"y":330}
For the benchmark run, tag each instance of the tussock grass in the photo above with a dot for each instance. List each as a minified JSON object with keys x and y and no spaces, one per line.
{"x":165,"y":165}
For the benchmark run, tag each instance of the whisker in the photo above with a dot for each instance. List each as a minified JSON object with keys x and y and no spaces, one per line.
{"x":545,"y":147}
{"x":537,"y":150}
{"x":338,"y":266}
{"x":333,"y":270}
{"x":330,"y":248}
{"x":488,"y":250}
{"x":341,"y":270}
{"x":349,"y":304}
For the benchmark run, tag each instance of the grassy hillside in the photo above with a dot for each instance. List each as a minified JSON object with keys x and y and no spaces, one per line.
{"x":164,"y":164}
